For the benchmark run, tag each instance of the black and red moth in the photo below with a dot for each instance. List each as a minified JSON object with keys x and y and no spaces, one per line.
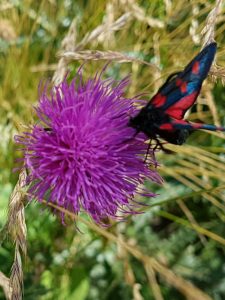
{"x":163,"y":115}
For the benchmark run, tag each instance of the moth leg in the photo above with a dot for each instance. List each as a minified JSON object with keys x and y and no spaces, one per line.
{"x":153,"y":153}
{"x":147,"y":152}
{"x":159,"y":145}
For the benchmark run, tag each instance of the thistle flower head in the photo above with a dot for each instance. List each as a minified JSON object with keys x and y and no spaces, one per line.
{"x":82,"y":155}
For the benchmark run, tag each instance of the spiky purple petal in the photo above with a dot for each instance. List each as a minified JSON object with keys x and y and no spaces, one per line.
{"x":82,"y":154}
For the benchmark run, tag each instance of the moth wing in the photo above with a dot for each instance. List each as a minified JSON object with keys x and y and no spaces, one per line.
{"x":180,"y":92}
{"x":184,"y":125}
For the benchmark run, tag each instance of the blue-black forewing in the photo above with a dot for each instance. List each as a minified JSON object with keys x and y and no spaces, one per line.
{"x":180,"y":93}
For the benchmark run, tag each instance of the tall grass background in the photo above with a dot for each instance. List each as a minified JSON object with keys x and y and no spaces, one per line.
{"x":175,"y":250}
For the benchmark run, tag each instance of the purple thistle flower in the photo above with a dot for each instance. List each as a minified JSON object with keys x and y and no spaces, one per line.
{"x":82,"y":154}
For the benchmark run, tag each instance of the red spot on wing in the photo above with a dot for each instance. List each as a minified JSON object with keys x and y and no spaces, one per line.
{"x":196,"y":125}
{"x":178,"y":110}
{"x":183,"y":122}
{"x":158,"y":100}
{"x":178,"y":82}
{"x":195,"y":67}
{"x":166,"y":126}
{"x":182,"y":85}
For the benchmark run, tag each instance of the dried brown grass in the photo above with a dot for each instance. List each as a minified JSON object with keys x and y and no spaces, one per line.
{"x":5,"y":5}
{"x":103,"y":55}
{"x":16,"y":228}
{"x":208,"y":32}
{"x":137,"y":12}
{"x":103,"y":29}
{"x":7,"y":30}
{"x":68,"y":44}
{"x":4,"y":283}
